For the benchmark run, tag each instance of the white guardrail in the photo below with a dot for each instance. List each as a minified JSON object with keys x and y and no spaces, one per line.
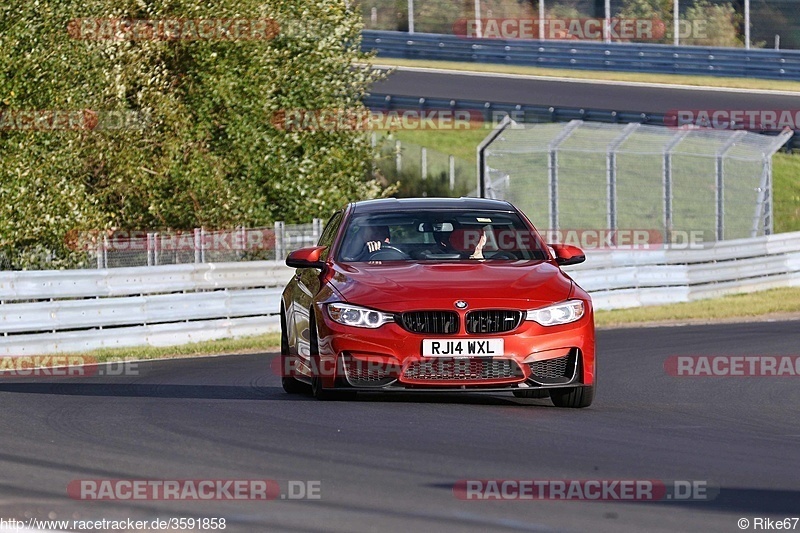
{"x":44,"y":312}
{"x":621,"y":279}
{"x":57,"y":311}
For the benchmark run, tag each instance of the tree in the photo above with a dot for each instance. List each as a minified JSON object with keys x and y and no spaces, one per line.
{"x":702,"y":24}
{"x":203,"y":149}
{"x":713,"y":25}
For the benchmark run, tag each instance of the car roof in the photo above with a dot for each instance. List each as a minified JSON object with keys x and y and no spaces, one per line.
{"x":404,"y":204}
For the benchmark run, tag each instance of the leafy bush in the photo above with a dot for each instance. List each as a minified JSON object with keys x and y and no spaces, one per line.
{"x":203,"y":151}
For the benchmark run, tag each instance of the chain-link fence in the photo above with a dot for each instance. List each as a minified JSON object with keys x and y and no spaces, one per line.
{"x":715,"y":184}
{"x":423,"y":171}
{"x":773,"y":23}
{"x":110,"y":249}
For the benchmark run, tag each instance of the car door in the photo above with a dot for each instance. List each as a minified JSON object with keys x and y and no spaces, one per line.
{"x":306,"y":287}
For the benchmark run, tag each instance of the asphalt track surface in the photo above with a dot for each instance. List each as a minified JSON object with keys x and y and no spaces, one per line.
{"x":389,"y":463}
{"x":560,"y":93}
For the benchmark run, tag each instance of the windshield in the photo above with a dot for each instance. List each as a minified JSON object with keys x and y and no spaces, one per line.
{"x":439,"y":235}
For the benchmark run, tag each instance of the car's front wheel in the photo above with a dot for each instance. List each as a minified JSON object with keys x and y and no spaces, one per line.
{"x":290,"y":384}
{"x":573,"y":396}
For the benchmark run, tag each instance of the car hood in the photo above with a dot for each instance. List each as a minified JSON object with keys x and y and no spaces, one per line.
{"x":399,"y":286}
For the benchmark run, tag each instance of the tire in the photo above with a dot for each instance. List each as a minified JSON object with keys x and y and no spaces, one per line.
{"x":316,"y":381}
{"x":576,"y":397}
{"x":316,"y":386}
{"x":290,"y":384}
{"x":531,"y":393}
{"x":293,"y":386}
{"x":317,"y":391}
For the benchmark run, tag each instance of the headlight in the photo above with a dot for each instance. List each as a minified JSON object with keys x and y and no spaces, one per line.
{"x":360,"y":317}
{"x":561,"y":313}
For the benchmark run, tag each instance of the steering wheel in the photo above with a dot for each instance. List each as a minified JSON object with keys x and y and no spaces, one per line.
{"x":502,"y":254}
{"x":387,"y":251}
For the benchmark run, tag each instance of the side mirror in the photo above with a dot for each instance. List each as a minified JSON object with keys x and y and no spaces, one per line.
{"x":306,"y":258}
{"x":568,"y":255}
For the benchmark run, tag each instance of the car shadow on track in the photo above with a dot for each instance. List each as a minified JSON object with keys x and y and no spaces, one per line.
{"x":746,"y":501}
{"x":450,"y":398}
{"x":249,"y":392}
{"x":147,"y":390}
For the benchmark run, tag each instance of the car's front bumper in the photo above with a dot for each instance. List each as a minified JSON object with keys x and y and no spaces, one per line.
{"x":390,"y":358}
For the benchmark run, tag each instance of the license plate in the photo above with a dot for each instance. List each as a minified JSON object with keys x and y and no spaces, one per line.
{"x":462,"y":347}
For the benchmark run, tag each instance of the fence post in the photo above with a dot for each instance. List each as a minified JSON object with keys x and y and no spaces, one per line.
{"x":611,"y":174}
{"x":316,"y":229}
{"x":149,"y":249}
{"x":424,"y":168}
{"x":667,"y":183}
{"x":243,"y":248}
{"x":452,"y":161}
{"x":763,"y":212}
{"x":765,"y":195}
{"x":398,"y":156}
{"x":552,"y":169}
{"x":198,"y":244}
{"x":156,"y":248}
{"x":100,"y":253}
{"x":481,"y":153}
{"x":279,"y":247}
{"x":719,"y":167}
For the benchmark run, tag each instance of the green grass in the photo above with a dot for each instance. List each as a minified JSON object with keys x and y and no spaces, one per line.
{"x":459,"y":143}
{"x":786,"y":196}
{"x":259,"y":343}
{"x":674,"y":79}
{"x":784,"y":300}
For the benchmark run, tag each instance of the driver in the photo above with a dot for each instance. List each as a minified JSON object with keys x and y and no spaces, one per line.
{"x":373,"y":237}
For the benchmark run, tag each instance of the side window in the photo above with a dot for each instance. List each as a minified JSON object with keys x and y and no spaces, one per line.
{"x":326,"y":239}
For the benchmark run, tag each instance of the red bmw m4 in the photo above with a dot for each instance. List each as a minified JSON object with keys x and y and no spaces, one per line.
{"x":436,"y":295}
